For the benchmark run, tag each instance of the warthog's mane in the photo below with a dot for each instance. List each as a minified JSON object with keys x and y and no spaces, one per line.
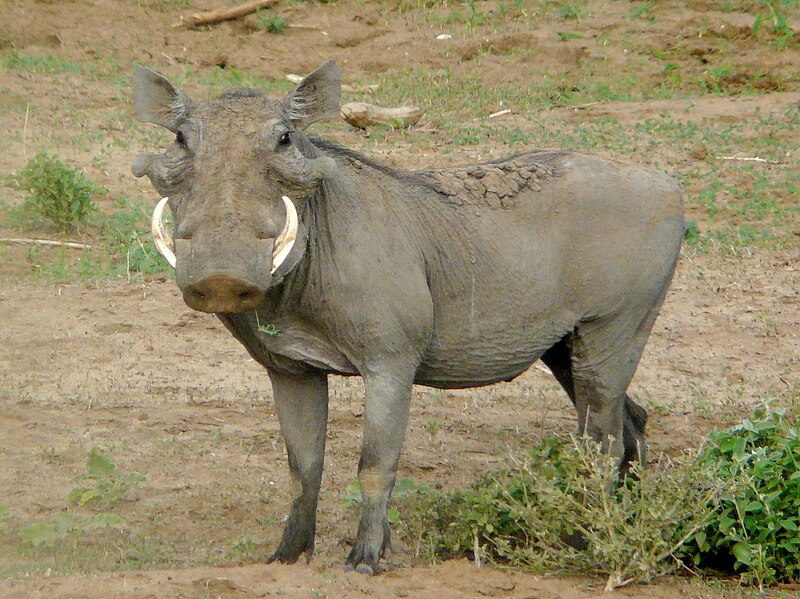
{"x":495,"y":183}
{"x":335,"y":150}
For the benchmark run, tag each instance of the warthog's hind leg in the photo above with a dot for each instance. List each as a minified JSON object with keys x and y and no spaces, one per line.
{"x":599,"y":392}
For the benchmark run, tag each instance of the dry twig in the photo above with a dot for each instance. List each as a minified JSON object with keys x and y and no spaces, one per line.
{"x":503,"y":112}
{"x":22,"y":241}
{"x":738,"y":156}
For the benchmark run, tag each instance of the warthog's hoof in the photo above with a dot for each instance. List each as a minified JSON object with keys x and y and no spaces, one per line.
{"x":361,"y":569}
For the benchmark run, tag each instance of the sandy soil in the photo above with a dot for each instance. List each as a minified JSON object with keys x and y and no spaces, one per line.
{"x":166,"y":391}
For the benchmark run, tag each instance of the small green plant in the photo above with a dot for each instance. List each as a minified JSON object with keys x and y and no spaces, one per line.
{"x":352,"y":493}
{"x":643,"y":10}
{"x":777,"y":23}
{"x":51,"y":455}
{"x":756,"y":529}
{"x":244,"y":549}
{"x":109,"y":484}
{"x":570,"y":11}
{"x":59,"y":194}
{"x":432,"y":426}
{"x":767,"y":322}
{"x":474,"y":16}
{"x":66,"y":524}
{"x":272,"y":23}
{"x":691,"y":234}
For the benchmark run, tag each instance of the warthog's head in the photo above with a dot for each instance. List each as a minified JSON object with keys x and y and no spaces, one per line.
{"x":228,"y":179}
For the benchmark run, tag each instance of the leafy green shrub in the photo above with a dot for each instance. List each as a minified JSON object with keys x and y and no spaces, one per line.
{"x":756,"y":529}
{"x":59,"y":194}
{"x":562,"y":509}
{"x":734,"y":505}
{"x":109,"y":485}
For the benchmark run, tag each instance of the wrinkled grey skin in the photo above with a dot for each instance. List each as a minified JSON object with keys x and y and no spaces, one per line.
{"x":452,"y":278}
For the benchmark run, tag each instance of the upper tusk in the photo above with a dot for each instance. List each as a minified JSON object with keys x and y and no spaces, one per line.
{"x":285,"y":241}
{"x":161,"y":238}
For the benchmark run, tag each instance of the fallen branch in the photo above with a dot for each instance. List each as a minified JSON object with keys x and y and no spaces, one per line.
{"x":738,"y":156}
{"x":362,"y":115}
{"x":225,"y":14}
{"x":68,"y":244}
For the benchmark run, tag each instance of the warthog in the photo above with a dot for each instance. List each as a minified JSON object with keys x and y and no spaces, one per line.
{"x":322,"y":261}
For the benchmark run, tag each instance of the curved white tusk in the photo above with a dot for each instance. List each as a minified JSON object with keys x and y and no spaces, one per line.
{"x":285,"y":241}
{"x":161,"y":238}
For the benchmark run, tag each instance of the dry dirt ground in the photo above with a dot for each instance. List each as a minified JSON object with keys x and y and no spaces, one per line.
{"x":126,"y":366}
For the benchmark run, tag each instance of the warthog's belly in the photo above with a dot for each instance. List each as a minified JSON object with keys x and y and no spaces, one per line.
{"x":482,"y":361}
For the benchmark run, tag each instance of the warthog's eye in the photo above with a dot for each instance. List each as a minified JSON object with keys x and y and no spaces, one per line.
{"x":285,"y":139}
{"x":181,"y":139}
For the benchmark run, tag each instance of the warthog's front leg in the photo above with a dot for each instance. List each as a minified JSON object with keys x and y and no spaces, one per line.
{"x":385,"y":419}
{"x":302,"y":406}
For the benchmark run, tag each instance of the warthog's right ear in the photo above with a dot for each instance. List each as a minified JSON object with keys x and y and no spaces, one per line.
{"x":156,"y":100}
{"x":316,"y":97}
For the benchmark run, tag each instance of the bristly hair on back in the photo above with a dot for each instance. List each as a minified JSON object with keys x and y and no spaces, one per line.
{"x":239,"y":92}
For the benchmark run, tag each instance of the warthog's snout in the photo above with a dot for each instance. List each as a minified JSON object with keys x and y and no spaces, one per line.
{"x":222,"y":293}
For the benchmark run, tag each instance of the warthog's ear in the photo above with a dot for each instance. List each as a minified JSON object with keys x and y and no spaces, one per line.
{"x":316,"y":97}
{"x":156,"y":100}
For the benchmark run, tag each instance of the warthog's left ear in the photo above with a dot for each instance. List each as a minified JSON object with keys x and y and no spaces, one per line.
{"x":316,"y":97}
{"x":156,"y":100}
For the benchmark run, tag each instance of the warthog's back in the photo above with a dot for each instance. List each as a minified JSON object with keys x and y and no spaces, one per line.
{"x":554,"y":238}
